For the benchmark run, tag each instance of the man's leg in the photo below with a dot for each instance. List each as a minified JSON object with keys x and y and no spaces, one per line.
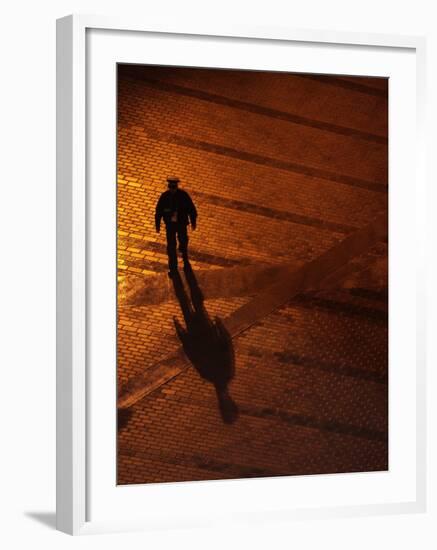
{"x":183,"y":243}
{"x":170,"y":230}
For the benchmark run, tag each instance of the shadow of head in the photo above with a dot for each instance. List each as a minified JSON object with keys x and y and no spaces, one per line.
{"x":207,"y":343}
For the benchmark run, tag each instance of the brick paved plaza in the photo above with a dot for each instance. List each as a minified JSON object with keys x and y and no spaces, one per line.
{"x":289,"y":177}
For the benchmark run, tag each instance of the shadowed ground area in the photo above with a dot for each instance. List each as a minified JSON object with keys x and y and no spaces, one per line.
{"x":206,"y":343}
{"x":269,"y":357}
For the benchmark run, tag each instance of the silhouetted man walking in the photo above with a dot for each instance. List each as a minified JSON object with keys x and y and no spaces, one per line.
{"x":178,"y":210}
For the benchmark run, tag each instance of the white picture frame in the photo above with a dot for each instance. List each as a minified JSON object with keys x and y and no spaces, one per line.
{"x":74,"y":459}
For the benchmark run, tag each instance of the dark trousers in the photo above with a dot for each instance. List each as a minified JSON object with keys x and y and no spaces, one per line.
{"x":178,"y":230}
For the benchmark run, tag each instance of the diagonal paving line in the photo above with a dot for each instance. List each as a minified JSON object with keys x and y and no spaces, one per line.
{"x":230,"y":152}
{"x":273,"y":213}
{"x":200,"y":461}
{"x":248,"y":280}
{"x":268,"y":111}
{"x":215,"y":283}
{"x":310,"y":276}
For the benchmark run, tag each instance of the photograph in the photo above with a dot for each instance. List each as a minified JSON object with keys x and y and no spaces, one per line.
{"x":218,"y":283}
{"x":252,"y":274}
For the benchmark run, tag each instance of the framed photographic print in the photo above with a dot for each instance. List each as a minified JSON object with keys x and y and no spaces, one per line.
{"x":240,"y":275}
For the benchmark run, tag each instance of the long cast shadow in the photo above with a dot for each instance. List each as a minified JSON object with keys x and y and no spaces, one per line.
{"x":206,"y":342}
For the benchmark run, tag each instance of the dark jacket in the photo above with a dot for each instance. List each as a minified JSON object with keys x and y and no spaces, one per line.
{"x":179,"y":202}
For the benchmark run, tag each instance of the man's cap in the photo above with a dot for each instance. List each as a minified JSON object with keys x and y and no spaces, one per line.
{"x":173,"y":179}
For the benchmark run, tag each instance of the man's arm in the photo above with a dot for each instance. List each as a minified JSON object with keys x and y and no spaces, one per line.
{"x":192,"y":212}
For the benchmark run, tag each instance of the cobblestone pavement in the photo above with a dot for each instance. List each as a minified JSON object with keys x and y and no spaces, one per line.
{"x":289,"y":176}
